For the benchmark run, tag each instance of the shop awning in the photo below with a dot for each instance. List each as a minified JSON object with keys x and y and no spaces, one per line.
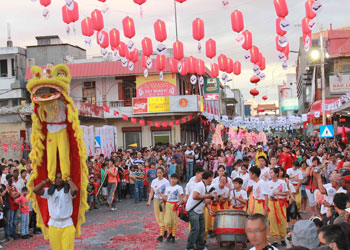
{"x":317,"y":107}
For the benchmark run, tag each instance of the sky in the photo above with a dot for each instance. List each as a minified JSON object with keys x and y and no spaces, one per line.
{"x":26,"y":20}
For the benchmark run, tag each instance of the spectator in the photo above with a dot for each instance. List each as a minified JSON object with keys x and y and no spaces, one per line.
{"x":340,"y":200}
{"x":189,"y":162}
{"x":334,"y":236}
{"x":13,"y":194}
{"x":23,"y":203}
{"x":257,"y":231}
{"x":112,"y":173}
{"x":305,"y":234}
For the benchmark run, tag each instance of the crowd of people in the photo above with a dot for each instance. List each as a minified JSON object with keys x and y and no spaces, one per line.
{"x":282,"y":185}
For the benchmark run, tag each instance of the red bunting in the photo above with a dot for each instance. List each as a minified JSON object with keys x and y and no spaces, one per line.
{"x":133,"y":120}
{"x":150,"y":123}
{"x":116,"y":113}
{"x":171,"y":124}
{"x":5,"y":148}
{"x":14,"y":146}
{"x":106,"y":108}
{"x":189,"y":117}
{"x":22,"y":147}
{"x":157,"y":124}
{"x":142,"y":122}
{"x":27,"y":147}
{"x":164,"y":124}
{"x":177,"y":122}
{"x":183,"y":119}
{"x":125,"y":118}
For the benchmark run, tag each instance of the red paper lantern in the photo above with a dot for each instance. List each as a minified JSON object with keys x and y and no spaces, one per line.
{"x":229,"y":69}
{"x":310,"y":13}
{"x":144,"y":60}
{"x":184,"y":68}
{"x":104,"y":42}
{"x":278,"y":47}
{"x":45,"y":3}
{"x":254,"y":79}
{"x":264,"y":97}
{"x":114,"y":38}
{"x":286,"y":50}
{"x":259,"y":63}
{"x":305,"y":25}
{"x":74,"y":13}
{"x":180,"y":1}
{"x":281,"y":8}
{"x":97,"y":20}
{"x":280,"y":31}
{"x":102,"y":1}
{"x":210,"y":47}
{"x":200,"y":67}
{"x":178,"y":50}
{"x":160,"y":62}
{"x":160,"y":30}
{"x":237,"y":68}
{"x":135,"y":56}
{"x":261,"y":110}
{"x":128,"y":27}
{"x":128,"y":54}
{"x":254,"y":92}
{"x":87,"y":27}
{"x":254,"y":53}
{"x":139,"y":2}
{"x":214,"y":70}
{"x":147,"y":48}
{"x":237,"y":21}
{"x":191,"y":65}
{"x":65,"y":15}
{"x":173,"y":65}
{"x":121,"y":49}
{"x":198,"y":29}
{"x":222,"y":62}
{"x":248,"y":40}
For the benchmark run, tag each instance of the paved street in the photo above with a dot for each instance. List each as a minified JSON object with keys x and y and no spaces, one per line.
{"x":131,"y":227}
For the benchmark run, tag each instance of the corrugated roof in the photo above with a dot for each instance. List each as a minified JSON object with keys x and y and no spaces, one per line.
{"x":99,"y":69}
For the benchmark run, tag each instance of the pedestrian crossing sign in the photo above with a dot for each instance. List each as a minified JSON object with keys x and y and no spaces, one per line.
{"x":97,"y":142}
{"x":326,"y":131}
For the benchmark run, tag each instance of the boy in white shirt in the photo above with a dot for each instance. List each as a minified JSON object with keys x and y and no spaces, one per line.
{"x":260,"y":192}
{"x":244,"y":175}
{"x":238,"y":195}
{"x":173,"y":196}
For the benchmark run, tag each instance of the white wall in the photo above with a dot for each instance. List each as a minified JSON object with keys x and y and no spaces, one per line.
{"x":107,"y":87}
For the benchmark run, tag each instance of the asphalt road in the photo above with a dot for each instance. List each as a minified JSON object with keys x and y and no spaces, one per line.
{"x":131,"y":227}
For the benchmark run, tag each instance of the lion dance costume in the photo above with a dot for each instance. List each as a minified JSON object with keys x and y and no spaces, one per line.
{"x":57,"y":144}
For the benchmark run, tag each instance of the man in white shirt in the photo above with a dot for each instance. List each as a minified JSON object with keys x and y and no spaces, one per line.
{"x":260,"y":192}
{"x":195,"y":205}
{"x":60,"y":206}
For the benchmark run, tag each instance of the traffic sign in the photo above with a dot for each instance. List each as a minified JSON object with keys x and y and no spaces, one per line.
{"x":97,"y":142}
{"x":326,"y":131}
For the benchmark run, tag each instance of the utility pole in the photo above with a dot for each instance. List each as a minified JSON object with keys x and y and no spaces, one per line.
{"x":323,"y":76}
{"x":177,"y":38}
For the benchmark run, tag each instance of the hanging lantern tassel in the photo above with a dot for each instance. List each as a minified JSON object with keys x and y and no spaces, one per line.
{"x":161,"y":75}
{"x":46,"y":13}
{"x":199,"y":47}
{"x":141,"y":11}
{"x":68,"y":30}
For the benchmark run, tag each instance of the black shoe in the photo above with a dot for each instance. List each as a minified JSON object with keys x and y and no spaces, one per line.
{"x":165,"y":234}
{"x":51,"y":189}
{"x":283,"y":243}
{"x":160,"y":239}
{"x":275,"y":244}
{"x":172,"y":239}
{"x":211,"y":234}
{"x":30,"y":235}
{"x":169,"y":238}
{"x":66,"y":187}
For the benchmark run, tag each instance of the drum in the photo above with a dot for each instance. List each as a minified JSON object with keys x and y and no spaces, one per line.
{"x":229,"y":226}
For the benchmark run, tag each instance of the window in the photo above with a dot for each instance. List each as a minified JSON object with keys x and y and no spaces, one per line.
{"x":346,"y":68}
{"x":132,"y":140}
{"x":13,"y":66}
{"x":89,"y":92}
{"x":3,"y":68}
{"x":161,"y":137}
{"x":129,"y":93}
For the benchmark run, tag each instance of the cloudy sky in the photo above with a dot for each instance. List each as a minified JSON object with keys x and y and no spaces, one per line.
{"x":25,"y":17}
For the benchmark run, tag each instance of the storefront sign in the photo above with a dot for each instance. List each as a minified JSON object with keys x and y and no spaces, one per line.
{"x":89,"y":110}
{"x":211,"y":89}
{"x":339,"y":84}
{"x":289,"y":104}
{"x":152,"y":86}
{"x":158,"y":104}
{"x":184,"y":103}
{"x":140,"y":105}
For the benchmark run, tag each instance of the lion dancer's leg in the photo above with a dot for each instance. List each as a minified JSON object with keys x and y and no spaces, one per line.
{"x":64,"y":150}
{"x":51,"y":148}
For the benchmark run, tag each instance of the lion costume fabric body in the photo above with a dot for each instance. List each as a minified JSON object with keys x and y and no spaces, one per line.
{"x":57,"y":143}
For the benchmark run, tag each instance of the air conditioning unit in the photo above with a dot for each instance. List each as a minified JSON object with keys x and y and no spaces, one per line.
{"x":88,"y":85}
{"x":30,"y":62}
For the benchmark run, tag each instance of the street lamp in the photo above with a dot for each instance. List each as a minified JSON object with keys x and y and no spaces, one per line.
{"x":315,"y":55}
